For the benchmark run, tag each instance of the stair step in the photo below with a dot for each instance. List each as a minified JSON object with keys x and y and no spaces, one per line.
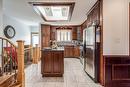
{"x":6,"y":80}
{"x":15,"y":85}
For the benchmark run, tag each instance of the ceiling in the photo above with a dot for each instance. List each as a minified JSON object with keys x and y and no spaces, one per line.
{"x":22,"y":11}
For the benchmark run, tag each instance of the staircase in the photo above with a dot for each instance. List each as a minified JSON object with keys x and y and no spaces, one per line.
{"x":9,"y":70}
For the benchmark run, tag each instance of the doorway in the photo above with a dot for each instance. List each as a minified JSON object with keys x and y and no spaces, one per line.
{"x":34,"y":38}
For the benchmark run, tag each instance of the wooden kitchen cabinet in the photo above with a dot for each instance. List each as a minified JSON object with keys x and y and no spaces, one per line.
{"x":58,"y":61}
{"x":72,"y":51}
{"x":68,"y":51}
{"x":52,"y":63}
{"x":76,"y":51}
{"x":46,"y":62}
{"x":74,"y":33}
{"x":45,"y":36}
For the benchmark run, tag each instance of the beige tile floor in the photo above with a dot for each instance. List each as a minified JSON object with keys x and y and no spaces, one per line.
{"x":74,"y":76}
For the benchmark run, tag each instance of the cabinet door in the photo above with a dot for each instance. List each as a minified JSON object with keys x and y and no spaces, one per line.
{"x":74,"y":33}
{"x":45,"y":36}
{"x":76,"y":51}
{"x":66,"y":52}
{"x":58,"y":62}
{"x":71,"y":51}
{"x":47,"y":62}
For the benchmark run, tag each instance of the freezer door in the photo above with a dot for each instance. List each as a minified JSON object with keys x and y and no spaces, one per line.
{"x":89,"y":65}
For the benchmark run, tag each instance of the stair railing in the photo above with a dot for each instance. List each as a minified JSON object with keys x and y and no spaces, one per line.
{"x":12,"y":60}
{"x":28,"y":55}
{"x":8,"y":57}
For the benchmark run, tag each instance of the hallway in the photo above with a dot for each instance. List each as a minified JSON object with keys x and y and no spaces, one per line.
{"x":74,"y":76}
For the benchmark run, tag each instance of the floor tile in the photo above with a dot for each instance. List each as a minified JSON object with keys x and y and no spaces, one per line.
{"x":74,"y":76}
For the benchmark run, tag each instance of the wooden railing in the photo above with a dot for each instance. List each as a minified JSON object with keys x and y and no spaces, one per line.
{"x":28,"y":55}
{"x":8,"y":57}
{"x":31,"y":55}
{"x":36,"y":54}
{"x":13,"y":59}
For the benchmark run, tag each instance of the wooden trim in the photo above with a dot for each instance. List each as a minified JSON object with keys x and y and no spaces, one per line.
{"x":93,"y":7}
{"x":70,"y":4}
{"x":63,"y":28}
{"x":51,"y":3}
{"x":129,"y":29}
{"x":113,"y":68}
{"x":99,"y":1}
{"x":102,"y":68}
{"x":116,"y":56}
{"x":61,"y":25}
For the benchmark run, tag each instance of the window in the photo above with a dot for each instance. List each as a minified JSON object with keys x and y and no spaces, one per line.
{"x":64,"y":35}
{"x":34,"y":39}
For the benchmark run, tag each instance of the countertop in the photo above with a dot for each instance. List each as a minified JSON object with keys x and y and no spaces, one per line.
{"x":50,"y":49}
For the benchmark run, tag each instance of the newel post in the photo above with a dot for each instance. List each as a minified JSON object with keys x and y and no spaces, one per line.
{"x":35,"y":54}
{"x":20,"y":53}
{"x":38,"y":52}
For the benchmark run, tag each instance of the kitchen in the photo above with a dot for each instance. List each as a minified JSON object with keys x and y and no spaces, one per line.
{"x":72,"y":41}
{"x":83,"y":43}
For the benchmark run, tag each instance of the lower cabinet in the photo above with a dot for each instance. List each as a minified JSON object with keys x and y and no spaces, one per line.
{"x":72,"y":51}
{"x":76,"y":52}
{"x":117,"y":71}
{"x":52,"y":63}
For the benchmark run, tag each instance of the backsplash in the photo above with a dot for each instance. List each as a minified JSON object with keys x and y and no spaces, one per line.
{"x":74,"y":42}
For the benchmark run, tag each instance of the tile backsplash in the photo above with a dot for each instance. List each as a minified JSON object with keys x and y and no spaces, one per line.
{"x":74,"y":42}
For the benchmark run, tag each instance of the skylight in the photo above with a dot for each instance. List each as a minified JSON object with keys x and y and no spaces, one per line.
{"x":54,"y":12}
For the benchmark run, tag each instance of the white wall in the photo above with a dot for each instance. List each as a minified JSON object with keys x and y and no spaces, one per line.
{"x":116,"y":27}
{"x":22,"y":30}
{"x":34,"y":28}
{"x":1,"y":21}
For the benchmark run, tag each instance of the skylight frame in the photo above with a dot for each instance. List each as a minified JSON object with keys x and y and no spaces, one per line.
{"x":70,"y":4}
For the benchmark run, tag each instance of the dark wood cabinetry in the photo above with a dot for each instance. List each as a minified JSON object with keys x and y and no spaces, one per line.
{"x":74,"y":33}
{"x":92,"y":16}
{"x":117,"y":71}
{"x":68,"y":51}
{"x":52,"y":63}
{"x":45,"y":36}
{"x":72,"y":51}
{"x":76,"y":51}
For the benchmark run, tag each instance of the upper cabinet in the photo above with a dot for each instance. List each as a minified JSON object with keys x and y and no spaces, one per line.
{"x":66,"y":33}
{"x":74,"y":33}
{"x":45,"y":35}
{"x":92,"y":16}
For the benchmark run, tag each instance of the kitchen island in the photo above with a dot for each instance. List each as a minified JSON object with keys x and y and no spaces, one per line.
{"x":52,"y":62}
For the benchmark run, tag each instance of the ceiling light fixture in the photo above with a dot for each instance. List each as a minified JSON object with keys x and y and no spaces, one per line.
{"x":54,"y":11}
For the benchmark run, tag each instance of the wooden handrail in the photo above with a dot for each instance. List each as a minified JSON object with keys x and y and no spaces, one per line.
{"x":8,"y":41}
{"x":9,"y":63}
{"x":13,"y":59}
{"x":28,"y":48}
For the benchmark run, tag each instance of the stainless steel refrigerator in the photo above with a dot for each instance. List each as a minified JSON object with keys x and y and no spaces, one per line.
{"x":91,"y":45}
